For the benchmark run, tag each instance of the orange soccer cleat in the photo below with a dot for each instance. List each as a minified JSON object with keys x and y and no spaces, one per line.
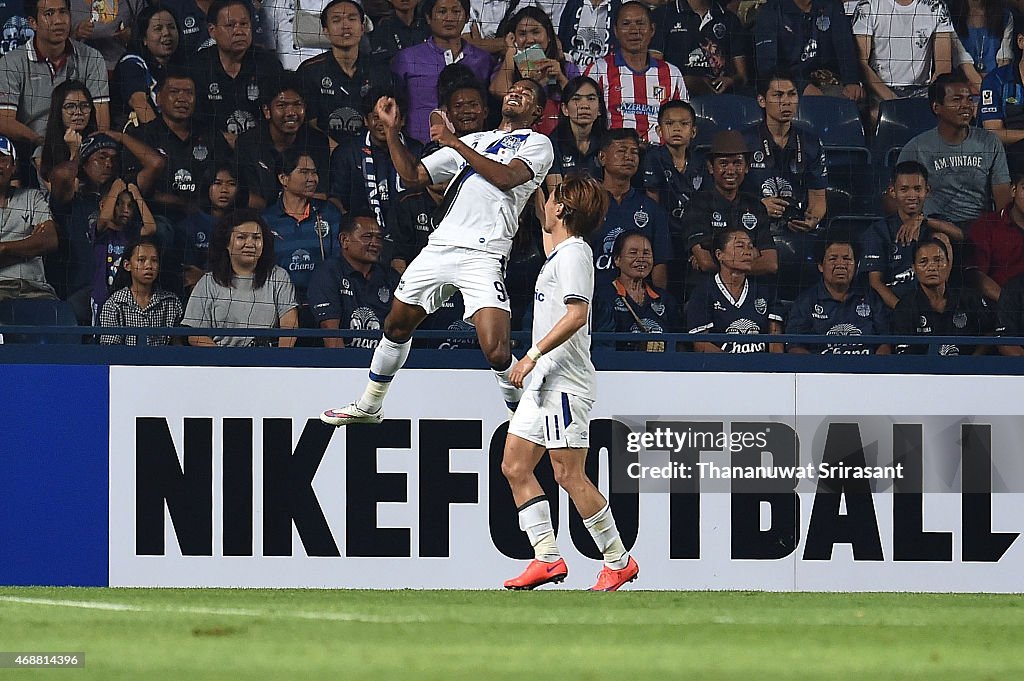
{"x":611,"y":580}
{"x":538,"y":572}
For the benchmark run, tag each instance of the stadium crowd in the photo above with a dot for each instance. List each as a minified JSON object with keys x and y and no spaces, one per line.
{"x":221,"y":164}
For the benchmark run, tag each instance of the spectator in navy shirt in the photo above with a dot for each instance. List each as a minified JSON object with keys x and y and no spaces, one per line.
{"x":304,"y":227}
{"x":888,"y":244}
{"x":134,"y":82}
{"x":731,"y":301}
{"x":934,"y":308}
{"x":353,"y":291}
{"x":724,"y":206}
{"x":219,"y":195}
{"x":630,"y":303}
{"x":403,"y":29}
{"x":813,"y":39}
{"x":629,"y":209}
{"x":836,"y":306}
{"x":706,"y":41}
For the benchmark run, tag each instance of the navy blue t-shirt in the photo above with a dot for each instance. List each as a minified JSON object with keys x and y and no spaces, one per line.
{"x":785,"y":173}
{"x":637,"y":213}
{"x":881,"y":253}
{"x":339,"y":291}
{"x":300,"y":246}
{"x":198,"y":230}
{"x":815,"y":311}
{"x":712,"y":309}
{"x":658,"y":314}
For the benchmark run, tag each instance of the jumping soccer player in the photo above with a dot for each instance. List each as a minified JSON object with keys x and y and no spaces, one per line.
{"x":490,"y":177}
{"x":555,"y":412}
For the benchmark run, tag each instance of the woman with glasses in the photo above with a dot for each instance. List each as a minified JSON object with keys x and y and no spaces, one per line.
{"x":134,"y":82}
{"x":72,"y":118}
{"x":244,"y":289}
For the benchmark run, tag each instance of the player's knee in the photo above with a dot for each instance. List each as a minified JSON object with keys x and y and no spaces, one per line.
{"x":515,"y":471}
{"x":397,"y":330}
{"x":569,"y":478}
{"x":498,"y":354}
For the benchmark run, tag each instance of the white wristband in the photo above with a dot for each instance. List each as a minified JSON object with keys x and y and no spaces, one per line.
{"x":534,"y":353}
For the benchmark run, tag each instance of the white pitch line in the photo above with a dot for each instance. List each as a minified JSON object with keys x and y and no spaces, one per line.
{"x":234,"y":612}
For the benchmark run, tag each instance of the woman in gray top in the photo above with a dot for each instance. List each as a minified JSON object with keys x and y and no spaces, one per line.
{"x":244,"y":288}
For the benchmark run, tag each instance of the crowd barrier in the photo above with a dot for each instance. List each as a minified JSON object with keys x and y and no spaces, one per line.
{"x":143,"y":467}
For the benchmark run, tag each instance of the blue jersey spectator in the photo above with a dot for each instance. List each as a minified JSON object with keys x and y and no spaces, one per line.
{"x":835,"y":306}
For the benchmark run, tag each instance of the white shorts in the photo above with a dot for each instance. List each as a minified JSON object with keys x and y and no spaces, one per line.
{"x":438,"y":271}
{"x":553,"y":419}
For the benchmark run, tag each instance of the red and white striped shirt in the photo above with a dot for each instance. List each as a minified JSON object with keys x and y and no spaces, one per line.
{"x":635,"y":97}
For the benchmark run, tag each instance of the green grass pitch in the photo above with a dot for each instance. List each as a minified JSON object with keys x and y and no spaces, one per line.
{"x":186,"y":634}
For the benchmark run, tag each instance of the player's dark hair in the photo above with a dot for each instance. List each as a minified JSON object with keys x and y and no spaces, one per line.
{"x":937,"y":90}
{"x":766,"y":80}
{"x":219,"y":6}
{"x":673,"y":104}
{"x":635,"y":3}
{"x":584,"y":204}
{"x":290,"y":158}
{"x":910,"y":168}
{"x":32,"y":8}
{"x":931,"y":241}
{"x":124,"y":277}
{"x":620,"y":241}
{"x":220,"y":262}
{"x":721,"y":238}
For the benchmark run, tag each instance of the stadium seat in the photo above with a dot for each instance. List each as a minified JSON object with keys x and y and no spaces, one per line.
{"x":38,"y":312}
{"x":899,"y":121}
{"x":723,"y":112}
{"x":836,"y":121}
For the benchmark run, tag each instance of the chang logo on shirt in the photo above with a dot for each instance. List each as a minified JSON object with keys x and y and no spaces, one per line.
{"x":183,"y":181}
{"x":344,"y":119}
{"x":302,"y":261}
{"x":646,"y":326}
{"x":844,"y":330}
{"x":745,"y":327}
{"x":604,"y":261}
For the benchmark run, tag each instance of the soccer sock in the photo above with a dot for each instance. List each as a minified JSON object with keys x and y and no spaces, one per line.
{"x":606,"y":536}
{"x":388,"y":358}
{"x":535,"y":521}
{"x":509,"y":392}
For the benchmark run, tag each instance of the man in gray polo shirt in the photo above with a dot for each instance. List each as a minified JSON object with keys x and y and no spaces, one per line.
{"x":29,"y":73}
{"x":27,"y":233}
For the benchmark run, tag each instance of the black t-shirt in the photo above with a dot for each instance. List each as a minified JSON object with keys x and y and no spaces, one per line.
{"x":710,"y":212}
{"x":229,"y":104}
{"x":187,"y":160}
{"x":966,"y":315}
{"x":333,"y":98}
{"x":258,"y":159}
{"x":698,"y":50}
{"x":338,"y":291}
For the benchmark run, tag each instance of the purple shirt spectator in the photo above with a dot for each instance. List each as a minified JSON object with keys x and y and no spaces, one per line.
{"x":417,"y":69}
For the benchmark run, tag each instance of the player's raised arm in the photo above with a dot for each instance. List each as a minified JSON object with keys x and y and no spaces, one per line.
{"x":412,"y":172}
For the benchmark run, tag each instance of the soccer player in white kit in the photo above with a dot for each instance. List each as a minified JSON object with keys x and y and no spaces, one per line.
{"x":554,"y":413}
{"x":490,"y":177}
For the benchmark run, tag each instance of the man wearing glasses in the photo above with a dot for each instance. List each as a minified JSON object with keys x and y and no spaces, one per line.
{"x":29,"y":73}
{"x":231,"y":75}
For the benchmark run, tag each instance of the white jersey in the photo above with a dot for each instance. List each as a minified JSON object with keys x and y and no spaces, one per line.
{"x":475,"y":214}
{"x":568,"y":274}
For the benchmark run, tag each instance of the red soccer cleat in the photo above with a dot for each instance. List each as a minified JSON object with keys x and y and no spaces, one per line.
{"x":538,"y":572}
{"x":611,"y":580}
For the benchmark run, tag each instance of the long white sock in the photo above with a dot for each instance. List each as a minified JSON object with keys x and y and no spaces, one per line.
{"x":509,"y":392}
{"x":388,"y":358}
{"x":606,"y":536}
{"x":535,"y":521}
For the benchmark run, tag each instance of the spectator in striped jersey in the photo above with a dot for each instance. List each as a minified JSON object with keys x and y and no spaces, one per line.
{"x":634,"y":83}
